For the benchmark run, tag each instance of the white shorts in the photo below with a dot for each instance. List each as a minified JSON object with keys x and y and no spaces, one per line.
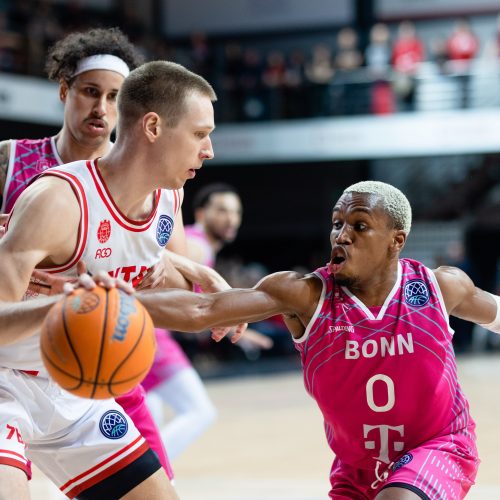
{"x":76,"y":442}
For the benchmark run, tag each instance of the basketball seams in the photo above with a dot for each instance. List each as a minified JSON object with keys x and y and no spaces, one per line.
{"x":103,"y":341}
{"x":111,"y":381}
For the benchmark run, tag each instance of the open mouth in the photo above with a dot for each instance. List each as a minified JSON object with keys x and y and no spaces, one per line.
{"x":337,"y":260}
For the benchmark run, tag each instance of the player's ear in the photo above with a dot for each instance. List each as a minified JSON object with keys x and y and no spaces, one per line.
{"x":151,"y":124}
{"x":63,"y":90}
{"x":399,"y":240}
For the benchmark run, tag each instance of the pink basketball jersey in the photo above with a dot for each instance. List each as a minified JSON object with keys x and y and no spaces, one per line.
{"x":195,"y":233}
{"x":28,"y":159}
{"x":384,"y":378}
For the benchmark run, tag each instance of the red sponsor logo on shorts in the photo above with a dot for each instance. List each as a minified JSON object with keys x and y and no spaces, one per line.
{"x":104,"y":231}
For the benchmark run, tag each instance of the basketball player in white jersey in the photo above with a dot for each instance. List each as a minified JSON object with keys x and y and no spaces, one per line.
{"x":117,"y":213}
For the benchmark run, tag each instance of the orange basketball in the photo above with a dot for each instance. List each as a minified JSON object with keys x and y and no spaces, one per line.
{"x":98,"y":344}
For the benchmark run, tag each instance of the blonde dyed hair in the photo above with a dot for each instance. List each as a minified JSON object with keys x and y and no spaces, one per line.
{"x":394,"y":202}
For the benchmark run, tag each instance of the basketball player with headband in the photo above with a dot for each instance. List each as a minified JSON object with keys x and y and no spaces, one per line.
{"x":89,"y":93}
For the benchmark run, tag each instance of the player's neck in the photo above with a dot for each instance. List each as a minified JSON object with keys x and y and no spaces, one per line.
{"x":70,"y":150}
{"x":375,"y":290}
{"x":215,"y":243}
{"x":129,"y":187}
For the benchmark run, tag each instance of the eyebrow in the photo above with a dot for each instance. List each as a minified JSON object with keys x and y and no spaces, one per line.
{"x":357,"y":209}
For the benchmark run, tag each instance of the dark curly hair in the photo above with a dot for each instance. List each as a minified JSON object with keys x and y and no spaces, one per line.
{"x":64,"y":56}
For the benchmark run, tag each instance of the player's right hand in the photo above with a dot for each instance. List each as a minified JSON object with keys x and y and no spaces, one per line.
{"x":89,"y":282}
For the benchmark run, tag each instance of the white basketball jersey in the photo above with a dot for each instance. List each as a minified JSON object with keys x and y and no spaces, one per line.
{"x":107,"y":241}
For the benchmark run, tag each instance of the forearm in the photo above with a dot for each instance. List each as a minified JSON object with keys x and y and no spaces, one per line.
{"x":192,"y":312}
{"x":197,"y":273}
{"x":20,"y":320}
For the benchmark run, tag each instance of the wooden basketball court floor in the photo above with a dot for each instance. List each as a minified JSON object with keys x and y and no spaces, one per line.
{"x":268,"y":442}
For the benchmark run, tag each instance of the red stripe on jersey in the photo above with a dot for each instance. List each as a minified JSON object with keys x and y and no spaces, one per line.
{"x":105,"y":195}
{"x":82,"y":227}
{"x":15,"y":463}
{"x":10,"y":452}
{"x":131,"y":457}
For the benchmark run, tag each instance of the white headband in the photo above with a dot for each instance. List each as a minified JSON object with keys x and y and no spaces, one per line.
{"x":102,"y":61}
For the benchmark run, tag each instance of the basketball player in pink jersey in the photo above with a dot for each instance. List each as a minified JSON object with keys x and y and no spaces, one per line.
{"x":172,"y":380}
{"x":376,"y":347}
{"x":89,"y":84}
{"x":116,"y":214}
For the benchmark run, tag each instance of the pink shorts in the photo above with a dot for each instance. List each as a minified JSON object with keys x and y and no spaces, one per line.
{"x":134,"y":405}
{"x":441,"y":468}
{"x":169,"y":360}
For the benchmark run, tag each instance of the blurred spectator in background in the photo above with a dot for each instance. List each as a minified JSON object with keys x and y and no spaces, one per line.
{"x":201,"y":56}
{"x":378,"y":62}
{"x":230,"y":82}
{"x":462,"y":47}
{"x":348,"y":56}
{"x":294,"y":91}
{"x":252,"y":90}
{"x":273,"y":79}
{"x":407,"y":54}
{"x":319,"y":72}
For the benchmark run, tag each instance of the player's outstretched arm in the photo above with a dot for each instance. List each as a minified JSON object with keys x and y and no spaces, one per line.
{"x":279,"y":293}
{"x":465,"y":300}
{"x":43,"y":226}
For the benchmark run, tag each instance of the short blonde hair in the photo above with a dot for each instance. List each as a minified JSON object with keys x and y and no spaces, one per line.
{"x":162,"y":87}
{"x":394,"y":202}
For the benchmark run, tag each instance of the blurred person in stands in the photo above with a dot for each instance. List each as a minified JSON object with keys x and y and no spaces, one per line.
{"x":462,"y":47}
{"x":376,"y":347}
{"x":172,"y":380}
{"x":319,"y":71}
{"x":407,"y":54}
{"x":378,"y":62}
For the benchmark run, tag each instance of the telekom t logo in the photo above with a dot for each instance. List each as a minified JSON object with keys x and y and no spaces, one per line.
{"x":384,"y":440}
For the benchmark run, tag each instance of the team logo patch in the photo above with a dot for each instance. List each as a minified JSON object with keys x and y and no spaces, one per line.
{"x":164,"y":229}
{"x":416,"y":293}
{"x":113,"y":425}
{"x":83,"y":304}
{"x":41,"y":165}
{"x":404,"y":460}
{"x":104,"y":231}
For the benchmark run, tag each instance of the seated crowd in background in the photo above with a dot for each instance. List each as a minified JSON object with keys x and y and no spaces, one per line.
{"x":350,"y":74}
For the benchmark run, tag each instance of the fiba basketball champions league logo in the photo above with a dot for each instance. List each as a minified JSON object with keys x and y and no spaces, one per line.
{"x":416,"y":293}
{"x":164,"y":229}
{"x":113,"y":425}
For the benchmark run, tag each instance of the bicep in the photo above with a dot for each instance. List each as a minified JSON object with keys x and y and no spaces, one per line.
{"x":40,"y":227}
{"x":462,"y":298}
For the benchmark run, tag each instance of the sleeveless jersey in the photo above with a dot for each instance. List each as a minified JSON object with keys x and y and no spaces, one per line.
{"x":195,"y":232}
{"x":107,"y":241}
{"x":384,"y":378}
{"x":28,"y":159}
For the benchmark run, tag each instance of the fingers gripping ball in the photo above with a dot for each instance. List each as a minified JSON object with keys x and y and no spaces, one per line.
{"x":99,"y":343}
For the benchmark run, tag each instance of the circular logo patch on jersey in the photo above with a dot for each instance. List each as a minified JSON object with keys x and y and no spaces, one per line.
{"x":164,"y":229}
{"x":416,"y":293}
{"x":104,"y":231}
{"x":405,"y":459}
{"x":113,"y":425}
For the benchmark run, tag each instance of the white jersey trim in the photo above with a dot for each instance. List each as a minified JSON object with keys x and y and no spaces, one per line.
{"x":316,"y":312}
{"x":442,"y":305}
{"x":387,"y":301}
